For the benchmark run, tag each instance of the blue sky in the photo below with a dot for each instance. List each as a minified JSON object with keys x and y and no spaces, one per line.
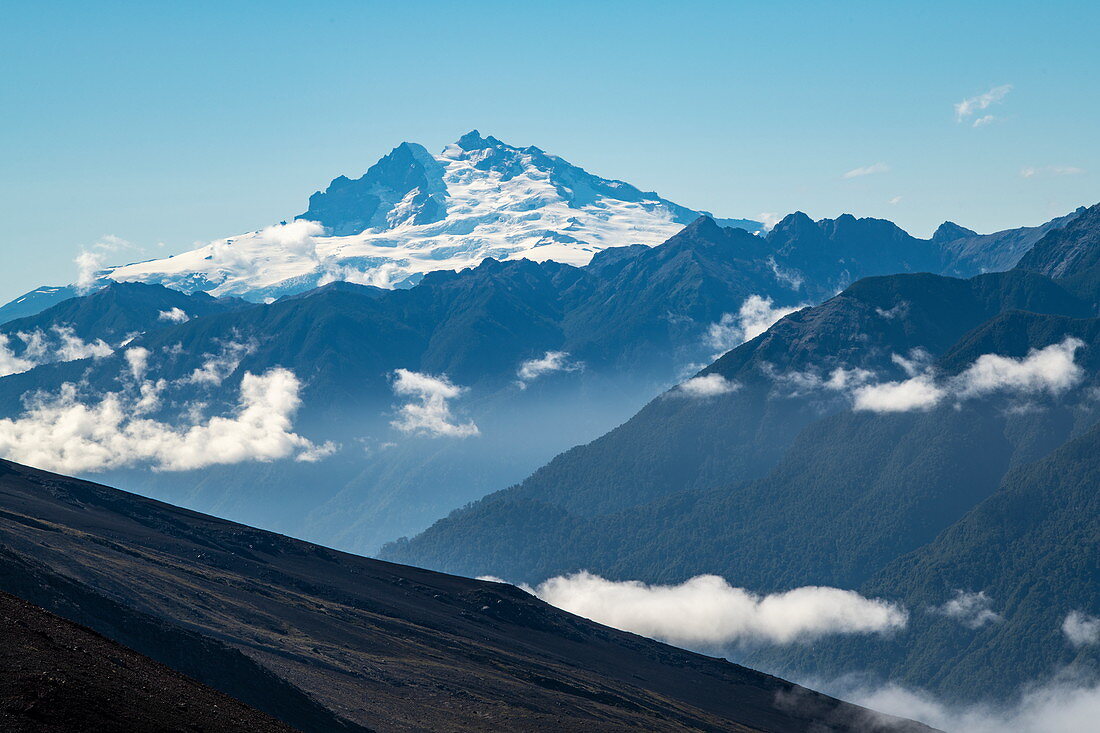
{"x":170,"y":123}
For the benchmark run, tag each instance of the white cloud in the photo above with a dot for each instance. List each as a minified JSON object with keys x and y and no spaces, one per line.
{"x":1061,"y":706}
{"x":983,"y":120}
{"x":916,"y":393}
{"x":90,"y":261}
{"x":295,"y":237}
{"x":756,"y":315}
{"x":972,"y":610}
{"x":1081,"y":629}
{"x":894,"y":201}
{"x":1051,"y":170}
{"x":216,"y":367}
{"x":1051,"y":369}
{"x":173,"y":315}
{"x":9,"y":362}
{"x":61,"y":433}
{"x":60,"y":343}
{"x":431,"y":414}
{"x":867,"y":170}
{"x":769,"y":220}
{"x":972,"y":105}
{"x":71,"y":347}
{"x":708,"y":385}
{"x":137,"y":358}
{"x":788,"y":276}
{"x":552,"y":361}
{"x":706,"y":611}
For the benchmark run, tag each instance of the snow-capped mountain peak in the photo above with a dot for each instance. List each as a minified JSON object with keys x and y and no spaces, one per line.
{"x":413,"y":212}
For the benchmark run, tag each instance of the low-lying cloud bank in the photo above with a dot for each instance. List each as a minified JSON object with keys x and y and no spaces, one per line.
{"x":70,"y":433}
{"x":1067,"y":704}
{"x":430,"y":414}
{"x":1051,"y":369}
{"x":706,"y":611}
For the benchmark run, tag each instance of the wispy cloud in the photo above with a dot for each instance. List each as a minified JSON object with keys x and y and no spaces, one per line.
{"x":769,"y":220}
{"x":91,"y":261}
{"x":59,"y":343}
{"x":217,"y":367}
{"x":706,"y":611}
{"x":867,"y":170}
{"x":430,"y":414}
{"x":971,"y":106}
{"x":548,"y":363}
{"x":894,"y":201}
{"x":972,"y":610}
{"x":755,"y":316}
{"x":1050,"y":171}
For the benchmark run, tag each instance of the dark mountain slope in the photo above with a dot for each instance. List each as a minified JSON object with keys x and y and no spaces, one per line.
{"x":56,"y":676}
{"x":877,"y":502}
{"x":1031,"y":548}
{"x":120,"y":310}
{"x":1071,"y":255}
{"x":677,"y":443}
{"x":854,"y":491}
{"x":387,"y":646}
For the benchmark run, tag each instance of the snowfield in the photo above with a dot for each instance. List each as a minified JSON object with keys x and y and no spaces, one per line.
{"x":488,"y":199}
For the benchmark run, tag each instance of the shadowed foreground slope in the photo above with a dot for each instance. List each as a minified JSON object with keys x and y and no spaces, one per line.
{"x":380,"y":645}
{"x":58,"y":676}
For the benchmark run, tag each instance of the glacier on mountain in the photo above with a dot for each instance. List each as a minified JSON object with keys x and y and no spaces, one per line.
{"x":413,"y":212}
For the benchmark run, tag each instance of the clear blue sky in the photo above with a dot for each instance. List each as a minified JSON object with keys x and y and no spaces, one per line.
{"x":170,"y":123}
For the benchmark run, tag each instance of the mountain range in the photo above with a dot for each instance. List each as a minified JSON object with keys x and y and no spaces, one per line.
{"x":595,"y":342}
{"x":917,"y":437}
{"x":820,"y":403}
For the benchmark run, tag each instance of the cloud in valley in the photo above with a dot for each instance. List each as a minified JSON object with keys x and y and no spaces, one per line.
{"x":1081,"y":629}
{"x":971,"y":106}
{"x":173,"y":315}
{"x":706,"y":611}
{"x":972,"y":610}
{"x":550,"y":362}
{"x":429,"y":414}
{"x":63,"y":432}
{"x":1052,"y":370}
{"x":1066,"y":704}
{"x":217,"y":367}
{"x":59,"y":343}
